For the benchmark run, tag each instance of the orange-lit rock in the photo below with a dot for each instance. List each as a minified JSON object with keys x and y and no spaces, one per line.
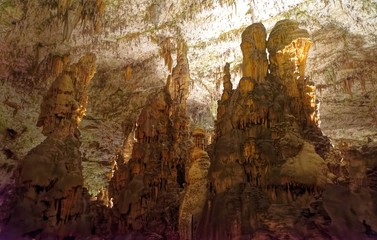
{"x":199,"y":137}
{"x":288,"y":46}
{"x":64,"y":105}
{"x":228,"y":86}
{"x":253,"y":48}
{"x":50,"y":181}
{"x":146,"y":189}
{"x":261,"y":156}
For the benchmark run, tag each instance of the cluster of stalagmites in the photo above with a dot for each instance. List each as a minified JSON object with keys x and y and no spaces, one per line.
{"x":268,"y":153}
{"x":49,"y":179}
{"x":267,"y":144}
{"x":146,"y":190}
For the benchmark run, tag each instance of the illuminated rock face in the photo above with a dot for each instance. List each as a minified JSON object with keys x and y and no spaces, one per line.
{"x":289,"y":46}
{"x":146,"y":190}
{"x":150,"y":177}
{"x":50,"y":182}
{"x":64,"y":105}
{"x":261,"y":155}
{"x":253,"y":48}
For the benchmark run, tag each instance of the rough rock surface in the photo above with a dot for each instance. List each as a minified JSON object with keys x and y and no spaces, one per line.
{"x":49,"y":181}
{"x":131,"y":39}
{"x":262,"y":157}
{"x":146,"y":190}
{"x":197,"y":188}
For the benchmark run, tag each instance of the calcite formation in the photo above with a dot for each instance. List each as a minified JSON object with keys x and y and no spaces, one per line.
{"x":261,"y":155}
{"x":150,"y":175}
{"x":288,"y":46}
{"x":263,"y":176}
{"x":253,"y":46}
{"x":196,"y":189}
{"x":180,"y":78}
{"x":64,"y":105}
{"x":352,"y":207}
{"x":49,"y":179}
{"x":146,"y":190}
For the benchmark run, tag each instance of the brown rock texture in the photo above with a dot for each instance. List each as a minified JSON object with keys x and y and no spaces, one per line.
{"x":146,"y":190}
{"x":262,"y":157}
{"x":49,"y":179}
{"x":64,"y":105}
{"x":352,"y":207}
{"x":130,"y":38}
{"x":196,"y":190}
{"x":253,"y":46}
{"x":144,"y":187}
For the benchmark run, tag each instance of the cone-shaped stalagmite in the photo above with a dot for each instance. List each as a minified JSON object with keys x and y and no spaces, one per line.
{"x":259,"y":150}
{"x":147,"y":197}
{"x":253,"y":48}
{"x":50,"y":180}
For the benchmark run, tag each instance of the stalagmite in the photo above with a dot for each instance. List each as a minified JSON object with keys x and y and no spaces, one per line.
{"x":227,"y":84}
{"x":196,"y":191}
{"x":180,"y":78}
{"x":288,"y":46}
{"x":258,"y":158}
{"x":253,"y":48}
{"x":50,"y":180}
{"x":155,"y":175}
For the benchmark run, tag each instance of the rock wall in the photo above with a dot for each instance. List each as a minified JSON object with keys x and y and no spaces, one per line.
{"x":344,"y":80}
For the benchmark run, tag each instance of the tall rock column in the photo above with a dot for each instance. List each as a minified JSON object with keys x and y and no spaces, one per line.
{"x":253,"y":46}
{"x":180,"y":78}
{"x":146,"y":200}
{"x":139,"y":188}
{"x":227,"y":92}
{"x":260,"y":154}
{"x":50,"y":181}
{"x":196,"y":190}
{"x":181,"y":139}
{"x":288,"y":46}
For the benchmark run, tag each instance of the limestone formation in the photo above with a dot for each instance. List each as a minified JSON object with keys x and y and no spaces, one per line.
{"x":146,"y":190}
{"x":64,"y":105}
{"x":288,"y":46}
{"x":180,"y":77}
{"x":199,"y":136}
{"x":49,"y":179}
{"x":196,"y":190}
{"x":227,"y":84}
{"x":261,"y":156}
{"x":269,"y":159}
{"x":253,"y":48}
